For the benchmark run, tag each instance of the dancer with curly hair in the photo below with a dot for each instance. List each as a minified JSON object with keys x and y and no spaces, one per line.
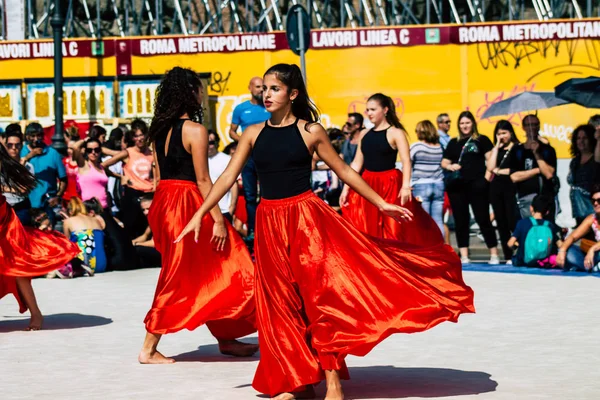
{"x":25,"y":252}
{"x":208,"y":282}
{"x":324,"y":289}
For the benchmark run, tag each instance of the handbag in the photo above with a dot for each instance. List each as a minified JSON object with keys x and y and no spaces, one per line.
{"x":453,"y":179}
{"x":493,"y":175}
{"x":586,"y":245}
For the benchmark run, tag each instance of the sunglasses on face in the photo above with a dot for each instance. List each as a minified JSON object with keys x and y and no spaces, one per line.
{"x":446,"y":122}
{"x":14,"y":145}
{"x":596,"y":201}
{"x":96,"y":150}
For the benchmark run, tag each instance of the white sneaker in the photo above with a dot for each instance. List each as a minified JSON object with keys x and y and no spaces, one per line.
{"x":465,"y":260}
{"x":509,"y":262}
{"x":494,"y":260}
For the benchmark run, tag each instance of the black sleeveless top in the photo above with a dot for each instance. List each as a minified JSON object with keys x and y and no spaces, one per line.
{"x":178,"y":163}
{"x":282,"y":161}
{"x":378,"y":154}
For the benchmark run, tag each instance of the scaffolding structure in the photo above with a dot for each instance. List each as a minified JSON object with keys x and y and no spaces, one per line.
{"x":103,"y":18}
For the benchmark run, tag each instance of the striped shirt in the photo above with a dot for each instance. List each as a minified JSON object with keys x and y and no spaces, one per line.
{"x":426,"y":163}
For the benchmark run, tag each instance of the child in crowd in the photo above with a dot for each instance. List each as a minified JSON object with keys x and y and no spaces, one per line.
{"x":537,"y":240}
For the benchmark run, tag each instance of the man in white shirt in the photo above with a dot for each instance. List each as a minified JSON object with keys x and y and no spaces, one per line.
{"x":217,"y":162}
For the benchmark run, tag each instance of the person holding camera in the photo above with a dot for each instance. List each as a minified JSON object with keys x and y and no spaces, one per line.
{"x":533,"y":169}
{"x":48,"y":169}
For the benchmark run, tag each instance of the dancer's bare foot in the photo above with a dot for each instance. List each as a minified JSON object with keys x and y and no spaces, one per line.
{"x":155,"y":357}
{"x":237,"y":349}
{"x":309,"y":393}
{"x":35,"y":322}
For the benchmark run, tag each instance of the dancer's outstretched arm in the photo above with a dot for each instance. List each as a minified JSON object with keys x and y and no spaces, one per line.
{"x":327,"y":153}
{"x":357,"y":165}
{"x":225,"y":181}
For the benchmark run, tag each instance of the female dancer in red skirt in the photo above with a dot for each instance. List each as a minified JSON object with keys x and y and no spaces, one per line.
{"x":324,"y":289}
{"x":25,"y":252}
{"x":377,"y":152}
{"x":210,"y":282}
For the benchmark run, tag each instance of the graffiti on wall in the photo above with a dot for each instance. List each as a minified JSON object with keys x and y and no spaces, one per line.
{"x":570,"y":54}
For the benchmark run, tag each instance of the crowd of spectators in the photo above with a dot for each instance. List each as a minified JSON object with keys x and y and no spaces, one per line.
{"x":99,"y":193}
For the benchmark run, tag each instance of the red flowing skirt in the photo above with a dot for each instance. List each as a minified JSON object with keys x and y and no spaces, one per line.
{"x":240,"y":209}
{"x":325,"y":290}
{"x":422,"y":230}
{"x":27,"y":252}
{"x":198,"y":284}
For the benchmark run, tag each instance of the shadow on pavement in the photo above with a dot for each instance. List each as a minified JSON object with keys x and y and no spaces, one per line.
{"x":210,"y":353}
{"x":56,"y":322}
{"x":397,"y":383}
{"x":389,"y":382}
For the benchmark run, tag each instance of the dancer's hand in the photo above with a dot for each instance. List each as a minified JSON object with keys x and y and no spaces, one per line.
{"x":194,"y":225}
{"x":400,"y":214}
{"x":405,"y":195}
{"x":344,"y":196}
{"x":219,"y":235}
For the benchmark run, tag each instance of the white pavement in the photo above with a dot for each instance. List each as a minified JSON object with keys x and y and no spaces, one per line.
{"x":533,"y":337}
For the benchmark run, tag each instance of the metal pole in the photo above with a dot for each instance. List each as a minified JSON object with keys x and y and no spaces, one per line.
{"x":428,"y":11}
{"x":301,"y":43}
{"x":98,"y":28}
{"x":57,"y":22}
{"x":29,"y":19}
{"x":589,"y":8}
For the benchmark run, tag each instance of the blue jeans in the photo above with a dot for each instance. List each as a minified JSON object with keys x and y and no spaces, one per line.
{"x":250,"y":182}
{"x":575,"y":258}
{"x":432,"y":198}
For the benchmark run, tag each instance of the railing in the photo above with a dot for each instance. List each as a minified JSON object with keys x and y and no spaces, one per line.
{"x":101,"y":18}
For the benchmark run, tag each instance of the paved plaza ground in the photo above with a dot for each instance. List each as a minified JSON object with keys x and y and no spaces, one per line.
{"x":535,"y":336}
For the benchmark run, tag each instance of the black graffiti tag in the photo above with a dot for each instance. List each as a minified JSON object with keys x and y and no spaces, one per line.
{"x":218,"y":82}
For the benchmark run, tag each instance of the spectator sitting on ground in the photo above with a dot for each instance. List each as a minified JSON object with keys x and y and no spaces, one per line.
{"x":586,"y":257}
{"x":145,"y":239}
{"x":584,"y":169}
{"x":88,"y":233}
{"x":144,"y":244}
{"x":537,"y":239}
{"x":120,"y":253}
{"x":40,"y":220}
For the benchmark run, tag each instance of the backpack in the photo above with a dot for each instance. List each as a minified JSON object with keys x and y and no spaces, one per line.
{"x":538,"y":242}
